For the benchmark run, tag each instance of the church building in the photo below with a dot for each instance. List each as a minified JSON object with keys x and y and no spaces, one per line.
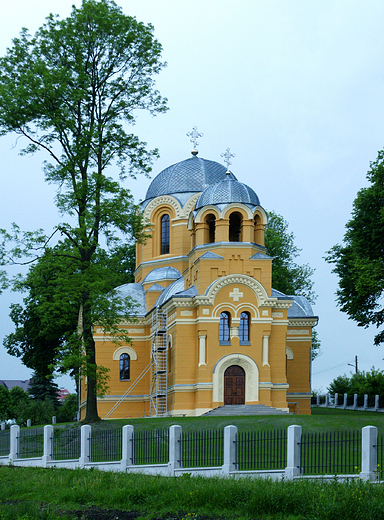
{"x":210,"y":330}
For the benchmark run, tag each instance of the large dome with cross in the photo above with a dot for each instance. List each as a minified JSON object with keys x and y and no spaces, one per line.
{"x":185,"y":178}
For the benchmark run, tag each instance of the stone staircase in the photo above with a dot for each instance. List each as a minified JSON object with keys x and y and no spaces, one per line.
{"x":245,"y":409}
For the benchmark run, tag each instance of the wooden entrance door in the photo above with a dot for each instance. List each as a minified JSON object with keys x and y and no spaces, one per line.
{"x":234,"y":385}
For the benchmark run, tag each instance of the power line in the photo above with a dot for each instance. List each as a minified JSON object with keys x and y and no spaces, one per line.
{"x":328,"y":369}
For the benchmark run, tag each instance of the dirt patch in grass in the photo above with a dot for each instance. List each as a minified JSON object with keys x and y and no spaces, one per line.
{"x":95,"y":513}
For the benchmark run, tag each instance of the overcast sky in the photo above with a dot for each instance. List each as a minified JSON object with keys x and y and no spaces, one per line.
{"x":294,"y":88}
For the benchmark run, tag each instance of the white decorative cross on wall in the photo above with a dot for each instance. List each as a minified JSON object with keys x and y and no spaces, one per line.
{"x":236,"y":294}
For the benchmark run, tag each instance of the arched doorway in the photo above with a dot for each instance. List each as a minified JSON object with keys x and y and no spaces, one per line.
{"x":234,"y":385}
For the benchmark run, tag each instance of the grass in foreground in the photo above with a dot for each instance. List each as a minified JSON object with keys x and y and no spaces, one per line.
{"x":34,"y":493}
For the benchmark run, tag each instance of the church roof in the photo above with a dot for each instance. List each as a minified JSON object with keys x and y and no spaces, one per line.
{"x":136,"y":292}
{"x":301,"y":308}
{"x":192,"y":175}
{"x":162,"y":273}
{"x":176,"y":289}
{"x":227,"y":191}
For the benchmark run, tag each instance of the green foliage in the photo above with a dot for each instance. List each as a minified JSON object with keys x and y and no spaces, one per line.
{"x":43,"y":389}
{"x":72,"y":90}
{"x":371,"y":383}
{"x":67,"y":411}
{"x":40,"y":412}
{"x":359,"y":262}
{"x":287,"y":276}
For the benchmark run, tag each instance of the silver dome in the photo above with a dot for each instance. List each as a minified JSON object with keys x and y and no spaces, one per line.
{"x":192,"y":175}
{"x":162,"y":273}
{"x":227,"y":191}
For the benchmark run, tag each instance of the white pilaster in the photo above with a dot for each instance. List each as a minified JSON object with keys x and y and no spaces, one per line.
{"x":202,"y":350}
{"x":265,"y":350}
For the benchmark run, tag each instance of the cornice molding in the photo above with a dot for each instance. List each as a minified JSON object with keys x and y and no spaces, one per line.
{"x":311,"y":321}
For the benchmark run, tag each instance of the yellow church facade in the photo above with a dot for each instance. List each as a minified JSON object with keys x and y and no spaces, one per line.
{"x":210,"y":331}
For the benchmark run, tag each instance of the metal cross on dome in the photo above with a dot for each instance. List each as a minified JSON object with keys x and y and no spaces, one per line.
{"x":227,"y":156}
{"x":194,"y":135}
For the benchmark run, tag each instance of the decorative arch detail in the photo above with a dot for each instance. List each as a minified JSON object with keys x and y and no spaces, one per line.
{"x":125,"y":350}
{"x":289,"y":353}
{"x":243,"y":279}
{"x":205,"y":210}
{"x":160,"y":201}
{"x":251,"y":377}
{"x":190,"y":204}
{"x":245,"y":212}
{"x":261,"y":212}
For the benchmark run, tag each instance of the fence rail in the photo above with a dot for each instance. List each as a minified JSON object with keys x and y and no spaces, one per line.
{"x":4,"y":442}
{"x":66,"y":443}
{"x":335,"y":453}
{"x":32,"y":443}
{"x":106,"y":445}
{"x":209,"y":452}
{"x":262,"y":450}
{"x":151,"y":447}
{"x":202,"y":449}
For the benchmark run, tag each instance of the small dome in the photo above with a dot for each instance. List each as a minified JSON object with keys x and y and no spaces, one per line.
{"x":162,"y":273}
{"x":227,"y":191}
{"x":136,"y":292}
{"x":190,"y":176}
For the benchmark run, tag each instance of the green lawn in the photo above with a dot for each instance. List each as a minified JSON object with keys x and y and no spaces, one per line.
{"x":322,"y":419}
{"x":53,"y":494}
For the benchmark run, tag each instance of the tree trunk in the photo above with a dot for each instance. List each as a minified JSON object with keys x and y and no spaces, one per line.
{"x":90,"y":352}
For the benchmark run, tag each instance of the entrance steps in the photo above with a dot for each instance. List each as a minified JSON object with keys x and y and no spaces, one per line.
{"x":245,"y":409}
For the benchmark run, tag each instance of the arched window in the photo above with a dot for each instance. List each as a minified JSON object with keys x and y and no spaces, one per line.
{"x":244,"y":328}
{"x":225,"y":319}
{"x":235,"y":221}
{"x":124,"y":367}
{"x":210,"y":221}
{"x":164,"y":240}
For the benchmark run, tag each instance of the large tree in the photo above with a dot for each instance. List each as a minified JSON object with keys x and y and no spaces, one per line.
{"x":46,"y":323}
{"x":288,"y":276}
{"x":359,"y":262}
{"x":72,"y":90}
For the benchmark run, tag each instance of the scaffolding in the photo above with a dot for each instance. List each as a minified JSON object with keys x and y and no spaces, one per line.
{"x":159,"y":365}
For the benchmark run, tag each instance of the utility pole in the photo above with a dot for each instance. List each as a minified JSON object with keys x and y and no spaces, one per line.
{"x":355,"y":365}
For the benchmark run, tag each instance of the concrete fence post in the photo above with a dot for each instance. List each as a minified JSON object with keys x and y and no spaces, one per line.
{"x":318,"y":400}
{"x":48,"y":444}
{"x":368,"y":453}
{"x":326,"y":400}
{"x":127,"y":447}
{"x":14,"y":449}
{"x":336,"y":402}
{"x":293,"y":468}
{"x":85,"y":444}
{"x":230,"y":450}
{"x":3,"y":425}
{"x":365,"y":401}
{"x":54,"y":419}
{"x":345,"y":401}
{"x":29,"y":423}
{"x":354,"y":401}
{"x":175,"y":461}
{"x":377,"y":403}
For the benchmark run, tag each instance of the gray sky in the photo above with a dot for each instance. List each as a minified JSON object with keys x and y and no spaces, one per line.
{"x":295,"y":89}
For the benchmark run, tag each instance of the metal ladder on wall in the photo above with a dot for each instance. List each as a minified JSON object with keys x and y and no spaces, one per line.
{"x":159,"y":365}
